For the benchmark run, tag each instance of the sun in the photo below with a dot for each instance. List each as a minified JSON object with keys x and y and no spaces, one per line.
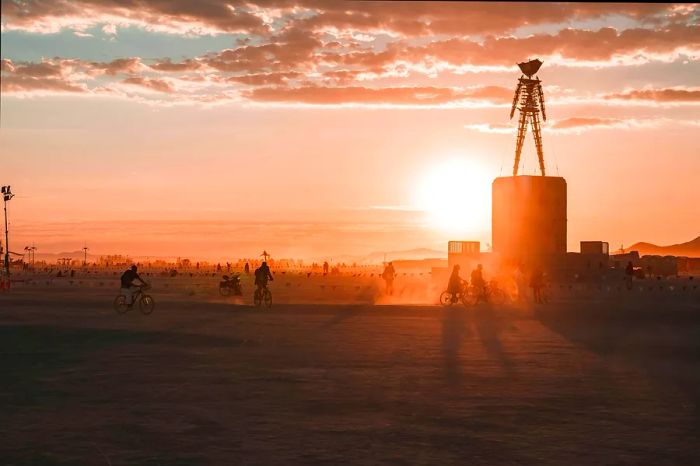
{"x":455,"y":194}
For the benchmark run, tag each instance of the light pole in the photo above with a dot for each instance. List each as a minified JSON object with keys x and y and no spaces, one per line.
{"x":6,"y":196}
{"x":85,"y":250}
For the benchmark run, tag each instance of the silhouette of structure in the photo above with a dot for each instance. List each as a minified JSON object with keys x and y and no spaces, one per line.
{"x":529,"y":216}
{"x":466,"y":254}
{"x":529,"y":212}
{"x":6,"y":196}
{"x":530,"y":97}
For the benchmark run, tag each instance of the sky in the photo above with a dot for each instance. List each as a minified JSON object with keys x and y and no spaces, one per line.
{"x":217,"y":129}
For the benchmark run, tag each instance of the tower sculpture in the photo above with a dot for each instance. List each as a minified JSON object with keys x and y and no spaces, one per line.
{"x":529,"y":99}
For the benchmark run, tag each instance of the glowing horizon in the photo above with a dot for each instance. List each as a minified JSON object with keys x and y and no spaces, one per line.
{"x":180,"y":130}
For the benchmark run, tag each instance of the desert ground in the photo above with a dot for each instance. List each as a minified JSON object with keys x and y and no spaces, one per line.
{"x":336,"y":373}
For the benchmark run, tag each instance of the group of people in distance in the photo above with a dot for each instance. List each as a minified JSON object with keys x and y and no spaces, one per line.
{"x":131,"y":281}
{"x":456,"y":284}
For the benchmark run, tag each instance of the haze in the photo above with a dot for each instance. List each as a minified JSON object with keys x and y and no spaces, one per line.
{"x":309,"y":128}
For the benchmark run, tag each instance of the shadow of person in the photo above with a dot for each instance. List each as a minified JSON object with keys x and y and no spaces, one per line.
{"x":454,"y":331}
{"x":341,"y":316}
{"x":489,"y":327}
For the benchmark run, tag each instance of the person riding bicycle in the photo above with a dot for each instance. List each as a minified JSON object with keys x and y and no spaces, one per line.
{"x":128,"y":285}
{"x":455,"y":284}
{"x":262,"y":275}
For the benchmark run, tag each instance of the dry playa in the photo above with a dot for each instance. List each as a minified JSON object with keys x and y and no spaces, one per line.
{"x":205,"y":380}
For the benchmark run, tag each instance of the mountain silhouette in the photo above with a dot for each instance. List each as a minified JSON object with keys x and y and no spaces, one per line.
{"x":689,"y":249}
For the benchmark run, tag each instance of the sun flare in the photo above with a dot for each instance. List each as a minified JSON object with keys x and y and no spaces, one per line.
{"x":456,"y":196}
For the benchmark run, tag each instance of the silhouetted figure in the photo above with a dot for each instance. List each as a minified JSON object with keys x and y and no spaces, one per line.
{"x":128,"y":286}
{"x":521,"y":282}
{"x":228,"y":266}
{"x":454,"y":285}
{"x":246,"y":269}
{"x":218,"y":267}
{"x":325,"y":269}
{"x":477,"y":279}
{"x":536,"y":283}
{"x":262,"y":275}
{"x":388,"y":275}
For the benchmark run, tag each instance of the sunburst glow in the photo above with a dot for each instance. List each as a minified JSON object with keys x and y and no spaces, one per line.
{"x":456,"y":196}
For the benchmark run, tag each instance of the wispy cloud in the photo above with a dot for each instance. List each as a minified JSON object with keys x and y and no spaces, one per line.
{"x":578,"y":125}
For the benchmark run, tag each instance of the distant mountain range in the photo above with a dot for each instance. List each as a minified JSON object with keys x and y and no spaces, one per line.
{"x":372,"y":258}
{"x":689,"y":249}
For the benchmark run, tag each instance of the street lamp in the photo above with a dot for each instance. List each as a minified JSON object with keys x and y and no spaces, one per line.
{"x":6,"y":196}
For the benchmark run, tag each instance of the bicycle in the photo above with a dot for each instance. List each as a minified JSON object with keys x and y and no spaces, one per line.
{"x":146,"y":303}
{"x":261,"y":296}
{"x":490,"y":293}
{"x":230,"y":285}
{"x":448,"y":298}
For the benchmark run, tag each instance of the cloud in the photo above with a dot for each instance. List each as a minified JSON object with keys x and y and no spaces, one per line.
{"x":568,"y":47}
{"x":153,"y":84}
{"x":120,"y":65}
{"x":664,"y":95}
{"x":349,"y":18}
{"x":294,"y":49}
{"x":579,"y":125}
{"x":27,"y":84}
{"x":493,"y":128}
{"x":368,"y":53}
{"x":45,"y":77}
{"x":170,"y":16}
{"x":168,"y":66}
{"x":423,"y":95}
{"x":412,"y":19}
{"x":264,"y":79}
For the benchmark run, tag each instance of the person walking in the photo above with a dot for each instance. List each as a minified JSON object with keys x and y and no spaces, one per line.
{"x":388,"y":275}
{"x":536,"y":283}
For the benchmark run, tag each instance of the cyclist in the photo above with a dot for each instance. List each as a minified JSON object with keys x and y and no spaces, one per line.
{"x":128,"y":286}
{"x":454,"y":286}
{"x":262,"y":275}
{"x":477,"y":280}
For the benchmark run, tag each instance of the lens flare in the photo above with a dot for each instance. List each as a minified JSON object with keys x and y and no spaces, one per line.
{"x":456,"y":197}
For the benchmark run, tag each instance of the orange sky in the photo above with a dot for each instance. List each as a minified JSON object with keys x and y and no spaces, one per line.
{"x":180,"y":129}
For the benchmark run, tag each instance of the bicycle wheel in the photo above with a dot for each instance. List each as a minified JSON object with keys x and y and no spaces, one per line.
{"x":146,"y":304}
{"x":446,"y":298}
{"x":267,"y":298}
{"x":498,"y":297}
{"x":120,"y":304}
{"x":224,"y":290}
{"x":257,"y":298}
{"x":470,"y":297}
